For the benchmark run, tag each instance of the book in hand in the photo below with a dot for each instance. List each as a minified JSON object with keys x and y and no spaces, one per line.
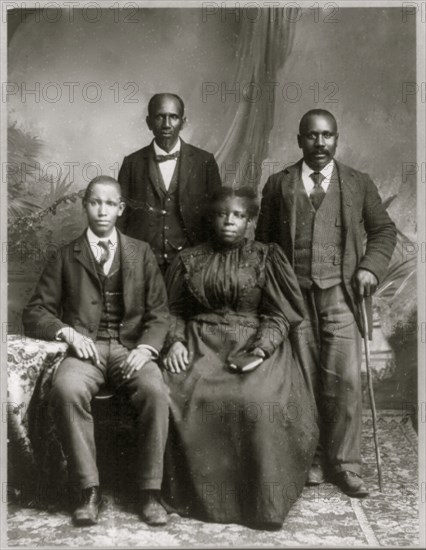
{"x":245,"y":362}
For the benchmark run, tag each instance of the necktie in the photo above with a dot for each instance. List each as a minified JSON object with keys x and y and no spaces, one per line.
{"x":317,"y":194}
{"x":171,"y":156}
{"x":106,"y":253}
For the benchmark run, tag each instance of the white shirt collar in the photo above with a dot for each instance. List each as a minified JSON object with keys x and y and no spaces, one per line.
{"x":159,"y":151}
{"x":326,"y":171}
{"x":92,"y":238}
{"x":308,"y":182}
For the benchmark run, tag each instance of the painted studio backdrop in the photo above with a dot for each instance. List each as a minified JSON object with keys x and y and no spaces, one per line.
{"x":79,"y":82}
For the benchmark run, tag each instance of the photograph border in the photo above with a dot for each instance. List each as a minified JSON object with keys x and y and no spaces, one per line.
{"x":421,"y":202}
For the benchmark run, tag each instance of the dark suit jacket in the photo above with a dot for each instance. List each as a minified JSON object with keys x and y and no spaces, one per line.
{"x":69,"y":293}
{"x":198,"y":178}
{"x":362,"y":212}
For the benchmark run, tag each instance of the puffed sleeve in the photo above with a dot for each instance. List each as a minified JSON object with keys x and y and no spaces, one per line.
{"x":281,"y":307}
{"x":179,"y":298}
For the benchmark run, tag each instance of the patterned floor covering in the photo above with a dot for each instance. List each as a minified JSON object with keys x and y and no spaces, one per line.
{"x":322,"y":516}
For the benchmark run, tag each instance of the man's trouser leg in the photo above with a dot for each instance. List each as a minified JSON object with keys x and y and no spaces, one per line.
{"x":330,"y":347}
{"x":149,"y":395}
{"x":74,"y":385}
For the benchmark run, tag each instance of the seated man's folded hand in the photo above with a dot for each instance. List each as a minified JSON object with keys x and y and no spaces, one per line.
{"x":82,"y":346}
{"x":136,"y":359}
{"x":177,"y":358}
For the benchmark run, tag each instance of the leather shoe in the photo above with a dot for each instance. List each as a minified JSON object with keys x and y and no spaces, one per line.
{"x":88,"y":509}
{"x":316,"y":476}
{"x":351,"y":484}
{"x":151,"y":511}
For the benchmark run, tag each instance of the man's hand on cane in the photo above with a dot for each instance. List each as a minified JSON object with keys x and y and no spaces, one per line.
{"x":365,"y":283}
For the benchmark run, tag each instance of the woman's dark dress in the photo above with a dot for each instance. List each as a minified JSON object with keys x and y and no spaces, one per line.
{"x":240,"y":445}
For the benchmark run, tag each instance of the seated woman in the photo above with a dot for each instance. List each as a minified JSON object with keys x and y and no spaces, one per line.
{"x":241,"y":441}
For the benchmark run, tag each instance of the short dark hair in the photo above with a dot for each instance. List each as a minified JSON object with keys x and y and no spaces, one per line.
{"x":106,"y":180}
{"x":155,"y":97}
{"x":316,"y":112}
{"x":246,"y":193}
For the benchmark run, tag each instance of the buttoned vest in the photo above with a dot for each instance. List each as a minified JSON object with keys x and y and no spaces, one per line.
{"x":172,"y":237}
{"x":318,"y":238}
{"x":112,"y":297}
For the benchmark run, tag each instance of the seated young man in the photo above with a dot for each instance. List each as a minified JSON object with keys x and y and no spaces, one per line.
{"x":104,"y":295}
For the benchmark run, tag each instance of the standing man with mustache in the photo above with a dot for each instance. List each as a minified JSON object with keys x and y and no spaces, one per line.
{"x":319,"y":211}
{"x":166,"y":184}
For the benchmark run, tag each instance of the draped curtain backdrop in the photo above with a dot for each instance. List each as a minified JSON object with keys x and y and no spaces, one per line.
{"x":263,"y":46}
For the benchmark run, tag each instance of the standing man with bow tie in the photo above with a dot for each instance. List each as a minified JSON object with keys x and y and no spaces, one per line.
{"x":167,"y":184}
{"x":319,"y":211}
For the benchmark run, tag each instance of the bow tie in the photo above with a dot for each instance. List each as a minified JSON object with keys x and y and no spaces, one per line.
{"x":171,"y":156}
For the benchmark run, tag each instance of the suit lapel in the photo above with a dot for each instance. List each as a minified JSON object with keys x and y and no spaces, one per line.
{"x":83,"y":255}
{"x":289,"y":182}
{"x":156,"y":183}
{"x":186,"y":165}
{"x":116,"y":262}
{"x":128,"y":256}
{"x":347,"y":185}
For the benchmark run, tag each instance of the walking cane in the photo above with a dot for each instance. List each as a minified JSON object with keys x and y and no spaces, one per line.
{"x":371,"y":392}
